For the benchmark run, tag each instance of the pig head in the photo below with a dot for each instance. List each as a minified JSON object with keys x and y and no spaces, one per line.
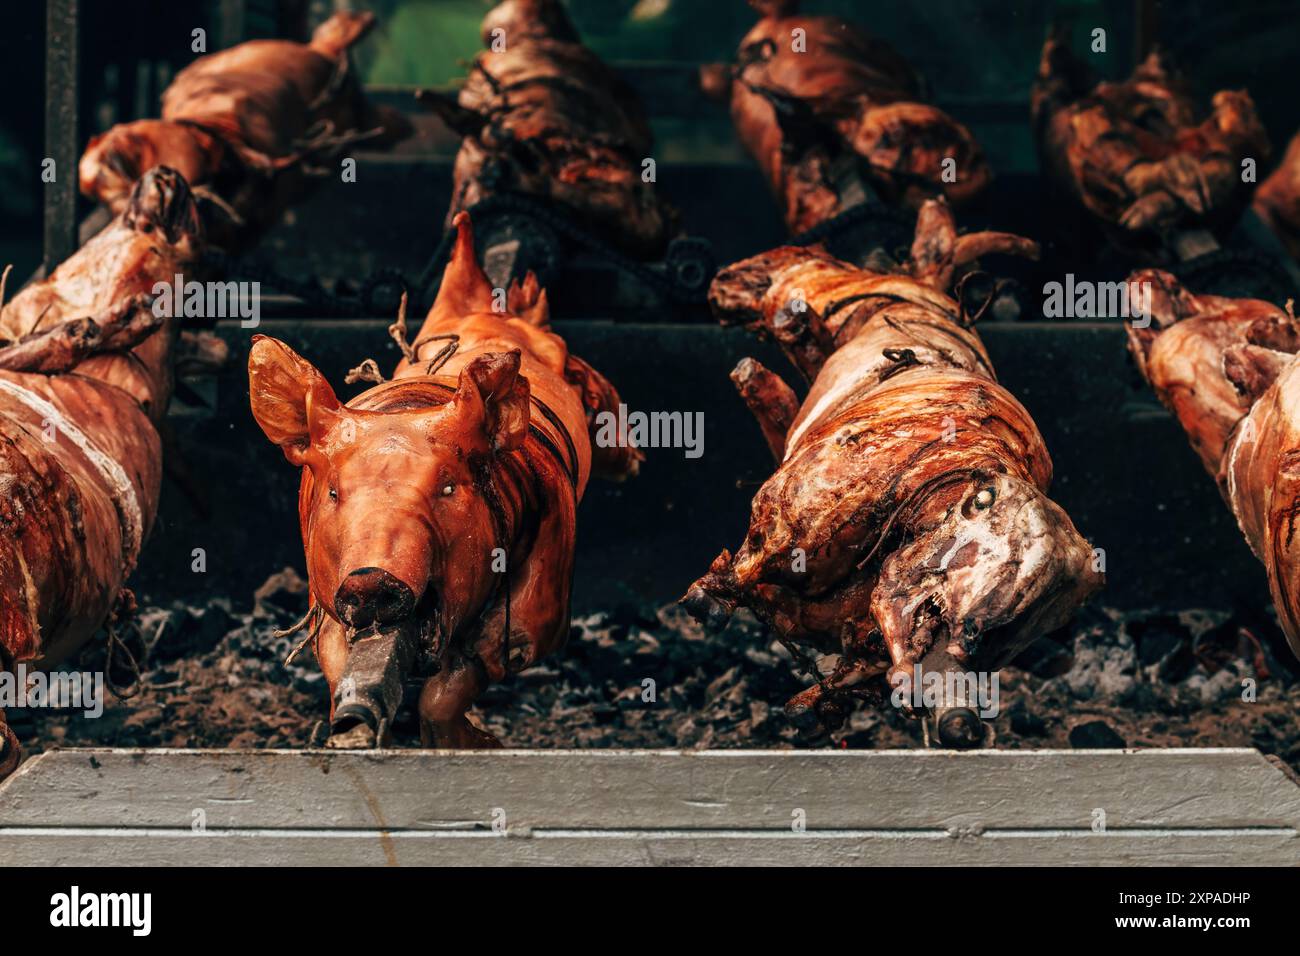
{"x":408,"y":521}
{"x":394,"y":501}
{"x":438,"y":510}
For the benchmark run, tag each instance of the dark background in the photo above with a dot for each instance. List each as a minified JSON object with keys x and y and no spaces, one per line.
{"x":978,"y":56}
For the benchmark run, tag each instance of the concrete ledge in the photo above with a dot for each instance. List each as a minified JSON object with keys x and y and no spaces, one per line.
{"x":119,"y":807}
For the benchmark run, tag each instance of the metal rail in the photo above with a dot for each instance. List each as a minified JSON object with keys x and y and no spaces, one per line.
{"x":61,"y":100}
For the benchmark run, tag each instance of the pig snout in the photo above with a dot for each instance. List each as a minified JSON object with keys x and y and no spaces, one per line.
{"x":373,"y":596}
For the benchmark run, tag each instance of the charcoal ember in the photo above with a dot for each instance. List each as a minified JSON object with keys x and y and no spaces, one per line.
{"x":721,"y":684}
{"x":1223,"y":685}
{"x":1095,"y":735}
{"x":1024,"y":721}
{"x":283,"y":594}
{"x":638,"y":614}
{"x":1102,"y":668}
{"x":539,"y":674}
{"x":1168,"y":657}
{"x":1146,"y":697}
{"x":189,"y":630}
{"x":1045,"y":658}
{"x":309,"y":682}
{"x":710,"y":692}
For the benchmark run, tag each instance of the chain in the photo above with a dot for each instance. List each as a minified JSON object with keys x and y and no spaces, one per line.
{"x":851,"y":219}
{"x":314,"y":294}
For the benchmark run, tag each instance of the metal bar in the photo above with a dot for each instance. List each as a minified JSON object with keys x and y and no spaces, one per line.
{"x":1146,"y":25}
{"x":61,"y":130}
{"x":232,"y":23}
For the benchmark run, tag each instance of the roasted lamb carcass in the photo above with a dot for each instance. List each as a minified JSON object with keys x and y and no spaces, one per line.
{"x":542,"y":116}
{"x":85,"y":377}
{"x":907,"y":524}
{"x":1227,"y":369}
{"x":833,"y":115}
{"x":248,"y":127}
{"x":1138,"y":155}
{"x":439,"y":509}
{"x":1277,"y":201}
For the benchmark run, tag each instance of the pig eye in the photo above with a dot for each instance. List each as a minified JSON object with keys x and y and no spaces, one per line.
{"x":448,"y":489}
{"x":984,"y":498}
{"x":334,"y":494}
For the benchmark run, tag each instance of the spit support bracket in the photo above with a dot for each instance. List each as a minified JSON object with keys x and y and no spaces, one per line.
{"x":61,"y":104}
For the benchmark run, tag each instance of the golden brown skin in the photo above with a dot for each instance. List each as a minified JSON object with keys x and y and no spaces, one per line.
{"x":408,"y":488}
{"x":245,"y":126}
{"x":908,"y":514}
{"x":1135,"y":154}
{"x":80,"y":455}
{"x":546,"y":118}
{"x":1277,"y":201}
{"x":843,"y":114}
{"x":1227,"y":369}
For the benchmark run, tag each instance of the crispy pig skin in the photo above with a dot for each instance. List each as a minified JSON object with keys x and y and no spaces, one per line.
{"x":70,"y":524}
{"x":546,"y":118}
{"x":1134,"y":153}
{"x":1277,"y":201}
{"x":911,"y":485}
{"x":423,"y":476}
{"x":1227,"y":369}
{"x":244,"y":124}
{"x":845,"y":113}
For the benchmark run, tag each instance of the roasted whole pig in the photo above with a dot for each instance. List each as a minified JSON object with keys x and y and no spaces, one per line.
{"x":1277,"y":201}
{"x":833,"y":115}
{"x":1227,"y":369}
{"x":1138,"y":155}
{"x":438,"y":509}
{"x":85,"y":377}
{"x":248,"y":127}
{"x":542,"y":116}
{"x":907,"y":524}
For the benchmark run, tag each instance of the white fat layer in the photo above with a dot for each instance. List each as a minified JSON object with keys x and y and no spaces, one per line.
{"x":123,"y":491}
{"x":847,"y":381}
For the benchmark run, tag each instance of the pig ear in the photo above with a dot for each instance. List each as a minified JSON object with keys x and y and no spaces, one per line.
{"x":288,"y":395}
{"x":492,"y":400}
{"x":465,"y":289}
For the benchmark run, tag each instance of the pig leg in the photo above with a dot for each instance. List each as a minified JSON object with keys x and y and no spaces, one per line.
{"x":10,"y":752}
{"x":539,"y":594}
{"x":443,"y":701}
{"x":770,"y":399}
{"x":332,"y":654}
{"x":538,"y":619}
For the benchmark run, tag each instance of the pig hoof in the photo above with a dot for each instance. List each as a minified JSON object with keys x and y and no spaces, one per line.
{"x":10,"y":752}
{"x":960,"y":729}
{"x":801,"y":711}
{"x":706,"y":609}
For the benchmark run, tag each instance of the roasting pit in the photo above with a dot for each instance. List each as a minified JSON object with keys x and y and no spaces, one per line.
{"x":1134,"y":711}
{"x":1140,"y":674}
